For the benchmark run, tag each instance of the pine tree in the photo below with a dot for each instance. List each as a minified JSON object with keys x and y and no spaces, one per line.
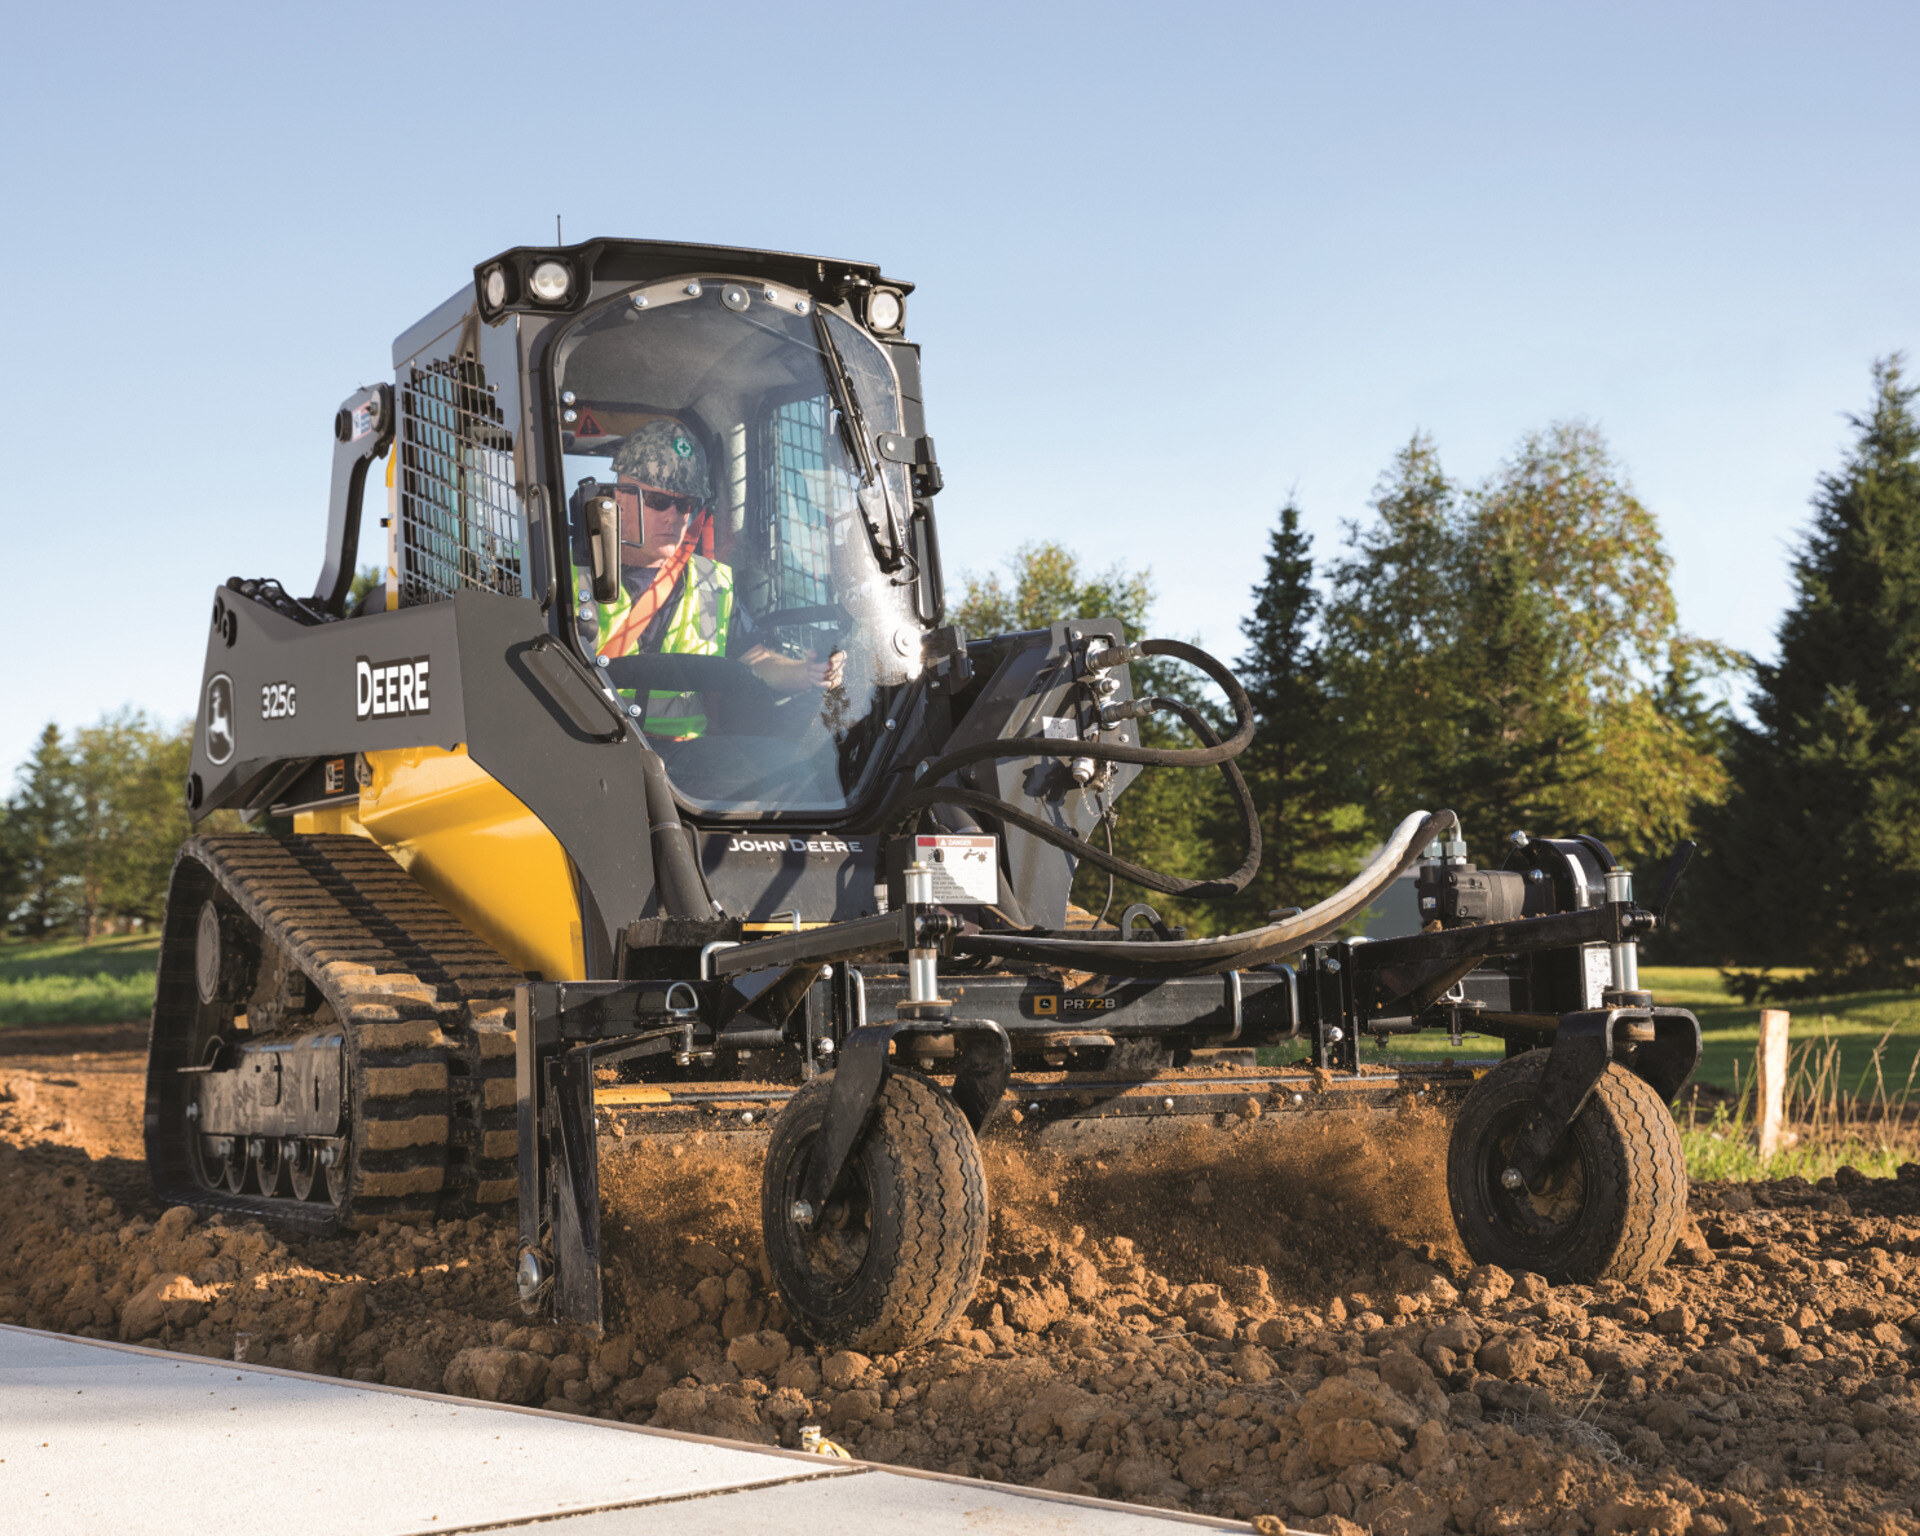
{"x":1815,"y":858}
{"x":1523,"y":732}
{"x":1308,"y":837}
{"x":41,"y":817}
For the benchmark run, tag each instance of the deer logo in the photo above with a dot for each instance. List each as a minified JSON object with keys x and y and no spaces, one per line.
{"x":219,"y":718}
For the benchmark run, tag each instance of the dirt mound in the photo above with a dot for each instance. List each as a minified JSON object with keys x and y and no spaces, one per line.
{"x":1221,"y":1320}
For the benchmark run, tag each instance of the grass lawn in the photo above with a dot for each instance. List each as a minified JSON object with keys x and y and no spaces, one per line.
{"x":63,"y":981}
{"x":1852,"y":1024}
{"x":1833,"y":1042}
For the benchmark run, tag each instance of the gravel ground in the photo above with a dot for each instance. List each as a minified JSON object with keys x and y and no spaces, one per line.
{"x":1224,"y":1320}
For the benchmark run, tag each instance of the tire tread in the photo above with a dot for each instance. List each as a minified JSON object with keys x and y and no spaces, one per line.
{"x":1638,"y":1179}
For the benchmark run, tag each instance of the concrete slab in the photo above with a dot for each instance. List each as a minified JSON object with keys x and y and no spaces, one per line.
{"x":94,"y":1438}
{"x":102,"y":1437}
{"x":874,"y":1501}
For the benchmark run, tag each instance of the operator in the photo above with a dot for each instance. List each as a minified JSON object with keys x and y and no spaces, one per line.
{"x":674,"y":596}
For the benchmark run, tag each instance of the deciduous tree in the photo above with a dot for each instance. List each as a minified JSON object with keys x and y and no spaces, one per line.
{"x":1511,"y":651}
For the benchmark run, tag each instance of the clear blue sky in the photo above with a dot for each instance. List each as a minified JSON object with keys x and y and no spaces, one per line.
{"x":1174,"y":262}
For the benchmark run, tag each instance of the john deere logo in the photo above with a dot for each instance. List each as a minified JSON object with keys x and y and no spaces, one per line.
{"x":1046,"y":1002}
{"x":219,"y":718}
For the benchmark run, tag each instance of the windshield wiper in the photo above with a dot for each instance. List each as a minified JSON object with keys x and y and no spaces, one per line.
{"x":891,"y":554}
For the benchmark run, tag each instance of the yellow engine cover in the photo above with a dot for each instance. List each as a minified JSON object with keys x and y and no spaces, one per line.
{"x":475,"y":848}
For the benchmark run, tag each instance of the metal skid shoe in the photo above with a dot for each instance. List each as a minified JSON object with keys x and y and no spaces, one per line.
{"x":873,"y":1200}
{"x":1566,"y":1162}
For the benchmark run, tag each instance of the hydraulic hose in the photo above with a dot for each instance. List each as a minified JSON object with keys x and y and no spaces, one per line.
{"x":1213,"y":752}
{"x":917,"y":800}
{"x":1233,"y":951}
{"x":1112,"y":752}
{"x":682,"y":893}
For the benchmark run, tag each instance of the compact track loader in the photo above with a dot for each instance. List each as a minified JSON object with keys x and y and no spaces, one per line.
{"x":653,"y":783}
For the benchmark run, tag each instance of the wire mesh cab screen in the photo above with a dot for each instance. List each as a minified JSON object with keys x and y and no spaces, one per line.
{"x":461,"y":525}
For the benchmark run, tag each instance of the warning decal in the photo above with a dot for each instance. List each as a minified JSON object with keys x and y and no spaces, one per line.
{"x":965,"y":869}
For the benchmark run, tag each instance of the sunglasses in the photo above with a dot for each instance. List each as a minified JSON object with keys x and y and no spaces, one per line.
{"x":660,"y":501}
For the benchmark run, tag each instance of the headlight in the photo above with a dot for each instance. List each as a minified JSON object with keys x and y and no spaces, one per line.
{"x":885,"y":310}
{"x":496,"y":287}
{"x":550,"y":282}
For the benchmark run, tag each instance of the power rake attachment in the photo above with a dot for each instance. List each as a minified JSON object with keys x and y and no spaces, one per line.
{"x":651,"y":785}
{"x":1564,"y":1159}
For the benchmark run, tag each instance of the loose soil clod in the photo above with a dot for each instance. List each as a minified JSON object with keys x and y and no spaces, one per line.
{"x":1225,"y":1320}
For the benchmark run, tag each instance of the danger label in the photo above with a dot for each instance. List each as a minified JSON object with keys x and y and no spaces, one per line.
{"x":965,"y":869}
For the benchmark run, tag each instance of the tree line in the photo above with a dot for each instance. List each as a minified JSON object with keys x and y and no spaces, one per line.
{"x":87,"y":837}
{"x":1510,"y":649}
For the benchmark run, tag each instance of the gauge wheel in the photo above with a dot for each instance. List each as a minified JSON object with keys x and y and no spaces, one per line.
{"x":893,"y":1259}
{"x":1609,"y":1203}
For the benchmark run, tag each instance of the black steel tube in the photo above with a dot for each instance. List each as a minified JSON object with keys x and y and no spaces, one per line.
{"x":750,"y":1039}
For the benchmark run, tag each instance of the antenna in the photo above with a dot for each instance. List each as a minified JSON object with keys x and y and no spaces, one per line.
{"x":556,"y":231}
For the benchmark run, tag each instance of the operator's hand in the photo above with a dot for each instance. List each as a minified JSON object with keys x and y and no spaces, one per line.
{"x":789,"y":674}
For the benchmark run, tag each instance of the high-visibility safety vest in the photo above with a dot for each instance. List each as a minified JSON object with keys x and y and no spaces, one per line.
{"x":698,"y":628}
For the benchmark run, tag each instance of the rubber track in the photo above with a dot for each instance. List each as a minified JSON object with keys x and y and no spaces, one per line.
{"x":426,"y":1008}
{"x":943,"y":1223}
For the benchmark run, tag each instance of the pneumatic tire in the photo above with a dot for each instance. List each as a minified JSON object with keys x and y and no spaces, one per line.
{"x":1610,"y":1202}
{"x":894,"y":1258}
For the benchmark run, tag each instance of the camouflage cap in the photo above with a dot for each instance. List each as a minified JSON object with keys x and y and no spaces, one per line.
{"x":666,"y":456}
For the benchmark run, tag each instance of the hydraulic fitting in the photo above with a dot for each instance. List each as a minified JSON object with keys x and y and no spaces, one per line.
{"x":1129,"y":709}
{"x":1100,"y":657}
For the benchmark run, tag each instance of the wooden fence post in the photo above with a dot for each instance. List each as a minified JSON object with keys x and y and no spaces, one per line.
{"x":1770,"y":1079}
